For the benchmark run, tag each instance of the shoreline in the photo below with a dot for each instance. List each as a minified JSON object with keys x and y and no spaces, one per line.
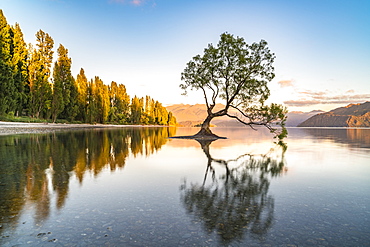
{"x":15,"y":128}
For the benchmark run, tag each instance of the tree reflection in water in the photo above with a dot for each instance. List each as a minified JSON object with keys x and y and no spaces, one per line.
{"x":30,"y":163}
{"x":237,"y":202}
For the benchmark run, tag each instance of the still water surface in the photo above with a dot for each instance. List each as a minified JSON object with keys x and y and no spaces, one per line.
{"x":136,"y":187}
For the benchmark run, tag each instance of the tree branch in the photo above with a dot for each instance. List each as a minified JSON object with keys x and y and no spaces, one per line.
{"x":238,"y":88}
{"x":240,"y":111}
{"x":250,"y":124}
{"x":215,"y":93}
{"x":205,"y":97}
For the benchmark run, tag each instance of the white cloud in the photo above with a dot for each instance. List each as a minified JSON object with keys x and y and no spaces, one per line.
{"x":309,"y":98}
{"x":285,"y":83}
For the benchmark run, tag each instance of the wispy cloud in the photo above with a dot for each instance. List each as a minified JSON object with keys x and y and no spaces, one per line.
{"x":286,"y":83}
{"x":133,"y":2}
{"x":309,"y":98}
{"x":314,"y":94}
{"x":301,"y":103}
{"x":137,"y":2}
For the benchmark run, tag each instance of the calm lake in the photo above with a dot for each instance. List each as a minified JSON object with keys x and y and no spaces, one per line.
{"x":136,"y":187}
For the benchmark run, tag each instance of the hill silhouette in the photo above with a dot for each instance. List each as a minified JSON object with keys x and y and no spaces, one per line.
{"x":191,"y":115}
{"x":352,"y":115}
{"x":297,"y":117}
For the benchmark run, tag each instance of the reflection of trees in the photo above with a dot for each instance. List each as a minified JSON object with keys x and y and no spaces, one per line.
{"x":237,"y":202}
{"x":30,"y":163}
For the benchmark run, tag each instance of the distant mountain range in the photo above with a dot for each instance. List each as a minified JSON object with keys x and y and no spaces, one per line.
{"x":297,"y":117}
{"x":353,"y":115}
{"x":191,"y":115}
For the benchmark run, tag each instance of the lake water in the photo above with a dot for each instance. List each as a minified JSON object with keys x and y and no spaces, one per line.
{"x":136,"y":187}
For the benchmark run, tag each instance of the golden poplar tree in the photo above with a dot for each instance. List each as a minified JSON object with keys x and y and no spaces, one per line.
{"x":39,"y":73}
{"x":63,"y":83}
{"x":82,"y":100}
{"x":7,"y":88}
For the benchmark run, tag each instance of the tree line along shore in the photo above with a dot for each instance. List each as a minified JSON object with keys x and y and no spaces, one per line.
{"x":32,"y":90}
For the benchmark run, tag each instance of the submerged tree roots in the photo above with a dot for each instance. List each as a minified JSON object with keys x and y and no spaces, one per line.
{"x":203,"y":134}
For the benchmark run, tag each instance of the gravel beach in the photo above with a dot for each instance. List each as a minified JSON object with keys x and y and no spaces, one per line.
{"x":11,"y":128}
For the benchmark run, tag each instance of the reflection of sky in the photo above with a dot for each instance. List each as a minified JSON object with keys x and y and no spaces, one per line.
{"x":325,"y":189}
{"x":327,"y":181}
{"x":258,"y":142}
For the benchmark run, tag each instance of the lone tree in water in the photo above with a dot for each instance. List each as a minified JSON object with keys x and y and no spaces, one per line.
{"x":236,"y":73}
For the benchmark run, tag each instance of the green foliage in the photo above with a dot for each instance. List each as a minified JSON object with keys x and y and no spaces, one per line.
{"x":269,"y":116}
{"x":233,"y":71}
{"x":13,"y":68}
{"x":39,"y":73}
{"x":237,"y":73}
{"x":20,"y":73}
{"x":120,"y":103}
{"x":82,"y":101}
{"x":91,"y":108}
{"x":24,"y":119}
{"x":7,"y":87}
{"x":136,"y":110}
{"x":98,"y":101}
{"x":71,"y":109}
{"x":102,"y":99}
{"x":64,"y":88}
{"x":149,"y":111}
{"x":26,"y":90}
{"x":171,"y":119}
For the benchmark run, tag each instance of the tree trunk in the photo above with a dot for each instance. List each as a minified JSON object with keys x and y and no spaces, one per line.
{"x":205,"y":132}
{"x":205,"y":147}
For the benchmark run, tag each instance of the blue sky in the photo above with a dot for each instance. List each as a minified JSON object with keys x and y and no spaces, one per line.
{"x":322,"y":47}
